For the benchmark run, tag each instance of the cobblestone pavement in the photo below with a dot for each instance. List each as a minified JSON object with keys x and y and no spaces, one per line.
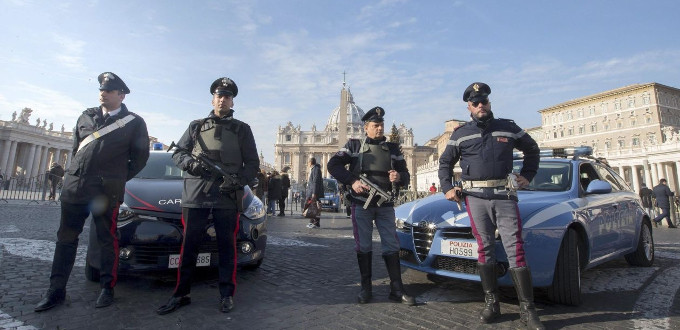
{"x":309,"y":280}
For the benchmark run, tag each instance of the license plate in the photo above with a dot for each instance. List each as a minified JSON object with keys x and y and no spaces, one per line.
{"x":460,"y":248}
{"x":203,"y":260}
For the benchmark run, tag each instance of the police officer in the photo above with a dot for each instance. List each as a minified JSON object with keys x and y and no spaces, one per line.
{"x":230,"y":143}
{"x":110,"y":146}
{"x":484,"y":147}
{"x":383,"y":164}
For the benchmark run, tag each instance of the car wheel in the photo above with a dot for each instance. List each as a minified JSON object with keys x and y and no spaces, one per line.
{"x":91,"y":273}
{"x":644,"y":254}
{"x":254,"y":265}
{"x":566,"y":285}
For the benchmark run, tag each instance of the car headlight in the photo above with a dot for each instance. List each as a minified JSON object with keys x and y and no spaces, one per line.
{"x":125,"y":215}
{"x":255,"y":209}
{"x":399,"y":223}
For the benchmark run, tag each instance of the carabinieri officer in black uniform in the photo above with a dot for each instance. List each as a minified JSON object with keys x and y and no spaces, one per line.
{"x":230,"y":143}
{"x":110,"y":146}
{"x":384,"y":165}
{"x":484,"y":147}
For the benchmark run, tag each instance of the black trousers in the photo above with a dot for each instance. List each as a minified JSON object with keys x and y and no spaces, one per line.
{"x":72,"y":221}
{"x":282,"y":205}
{"x":226,"y":228}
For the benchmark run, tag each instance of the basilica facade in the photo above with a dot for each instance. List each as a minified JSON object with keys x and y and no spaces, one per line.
{"x":294,"y":146}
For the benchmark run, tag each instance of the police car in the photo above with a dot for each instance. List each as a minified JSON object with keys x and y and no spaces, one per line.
{"x":576,"y":213}
{"x":150,"y":228}
{"x":331,"y":195}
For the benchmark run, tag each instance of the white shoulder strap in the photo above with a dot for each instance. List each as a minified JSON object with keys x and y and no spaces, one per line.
{"x":105,"y":130}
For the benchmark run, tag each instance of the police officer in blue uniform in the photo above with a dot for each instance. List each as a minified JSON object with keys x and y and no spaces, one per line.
{"x":383,"y":164}
{"x":484,"y":147}
{"x":110,"y":146}
{"x":230,"y":143}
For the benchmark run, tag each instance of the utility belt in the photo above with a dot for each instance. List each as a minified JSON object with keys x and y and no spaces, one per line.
{"x":498,"y":183}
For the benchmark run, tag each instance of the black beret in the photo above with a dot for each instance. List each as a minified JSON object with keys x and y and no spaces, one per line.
{"x":108,"y":81}
{"x":375,"y":115}
{"x":224,"y":86}
{"x":476,"y":92}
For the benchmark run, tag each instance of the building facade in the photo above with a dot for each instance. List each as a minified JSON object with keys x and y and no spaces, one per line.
{"x":294,"y":146}
{"x":27,"y":151}
{"x":634,"y":127}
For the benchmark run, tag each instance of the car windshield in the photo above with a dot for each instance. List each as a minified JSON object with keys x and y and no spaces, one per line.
{"x":551,"y":176}
{"x":330,"y":186}
{"x":160,"y":166}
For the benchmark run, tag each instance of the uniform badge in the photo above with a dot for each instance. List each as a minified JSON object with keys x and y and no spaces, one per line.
{"x":378,"y":111}
{"x":108,"y":76}
{"x":502,"y":139}
{"x":225,"y":82}
{"x":475,"y":87}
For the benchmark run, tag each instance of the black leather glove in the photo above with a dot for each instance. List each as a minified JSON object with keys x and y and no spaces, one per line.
{"x":195,"y":168}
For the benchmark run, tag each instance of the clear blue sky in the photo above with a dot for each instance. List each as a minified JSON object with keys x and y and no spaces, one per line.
{"x":414,"y":58}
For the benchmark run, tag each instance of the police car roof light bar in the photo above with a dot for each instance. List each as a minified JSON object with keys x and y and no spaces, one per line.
{"x":560,"y":152}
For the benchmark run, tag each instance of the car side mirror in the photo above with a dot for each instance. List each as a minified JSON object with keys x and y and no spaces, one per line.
{"x":599,"y":187}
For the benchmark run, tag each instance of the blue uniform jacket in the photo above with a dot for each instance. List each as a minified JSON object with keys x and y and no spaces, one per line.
{"x":485,"y":152}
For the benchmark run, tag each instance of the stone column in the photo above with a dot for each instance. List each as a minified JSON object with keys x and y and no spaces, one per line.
{"x":9,"y":168}
{"x":6,"y":145}
{"x":69,"y":156}
{"x":45,"y":160}
{"x":660,"y":168}
{"x":29,"y":161}
{"x":622,"y":172}
{"x":324,"y":164}
{"x":655,"y":175}
{"x":636,"y":182}
{"x":670,"y":176}
{"x":57,"y":156}
{"x":677,"y":172}
{"x":648,"y":175}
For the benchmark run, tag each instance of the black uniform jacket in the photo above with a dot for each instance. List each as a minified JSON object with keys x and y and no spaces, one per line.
{"x":105,"y":164}
{"x":349,"y":155}
{"x":485,"y":152}
{"x":193,"y":195}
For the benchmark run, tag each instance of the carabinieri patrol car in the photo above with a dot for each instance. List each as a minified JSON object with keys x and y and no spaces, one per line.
{"x":150,"y":230}
{"x":576,"y":213}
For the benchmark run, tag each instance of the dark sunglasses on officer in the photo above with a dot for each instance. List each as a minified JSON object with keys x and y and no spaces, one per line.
{"x":483,"y":102}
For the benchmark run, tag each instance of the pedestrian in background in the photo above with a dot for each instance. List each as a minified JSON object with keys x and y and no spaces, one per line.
{"x":274,"y":192}
{"x":261,"y":184}
{"x":229,"y":143}
{"x":314,"y":189}
{"x":383,"y":164}
{"x":55,"y":175}
{"x":285,"y":185}
{"x":110,"y":146}
{"x":646,"y":195}
{"x":484,"y":147}
{"x":662,"y":194}
{"x":433,"y":189}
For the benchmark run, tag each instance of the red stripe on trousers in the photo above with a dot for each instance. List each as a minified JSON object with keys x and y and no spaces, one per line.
{"x":181,"y":251}
{"x":481,"y":257}
{"x":112,"y":230}
{"x":236,"y":228}
{"x":519,"y":247}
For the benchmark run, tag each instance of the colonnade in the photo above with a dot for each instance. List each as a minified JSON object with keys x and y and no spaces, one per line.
{"x":650,"y":173}
{"x":30,"y":159}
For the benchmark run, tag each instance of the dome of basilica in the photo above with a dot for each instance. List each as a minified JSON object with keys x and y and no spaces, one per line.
{"x":354,"y":115}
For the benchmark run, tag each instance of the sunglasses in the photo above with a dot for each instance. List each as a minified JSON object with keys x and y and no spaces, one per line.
{"x":483,"y":102}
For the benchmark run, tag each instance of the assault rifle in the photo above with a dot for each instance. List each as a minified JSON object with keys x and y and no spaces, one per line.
{"x":230,"y":184}
{"x":375,"y":191}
